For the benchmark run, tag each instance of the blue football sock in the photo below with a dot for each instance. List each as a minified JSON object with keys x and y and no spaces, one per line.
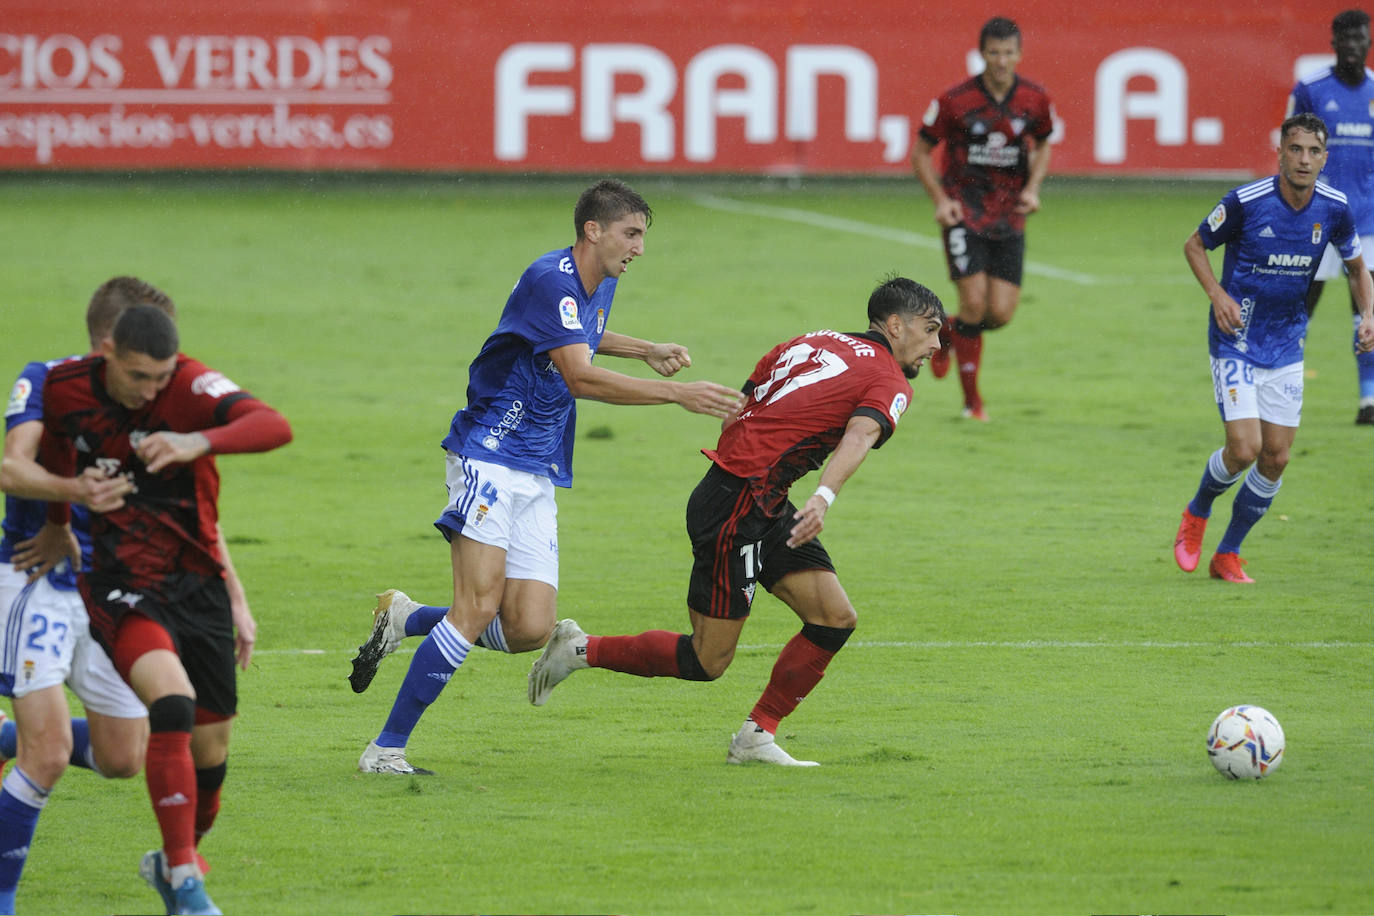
{"x":81,"y":742}
{"x":423,"y":619}
{"x":494,"y":636}
{"x":1252,"y":501}
{"x":21,"y":801}
{"x":443,"y":650}
{"x":1216,"y":480}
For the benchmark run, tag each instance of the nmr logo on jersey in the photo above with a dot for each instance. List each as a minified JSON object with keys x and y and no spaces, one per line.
{"x":1295,"y":260}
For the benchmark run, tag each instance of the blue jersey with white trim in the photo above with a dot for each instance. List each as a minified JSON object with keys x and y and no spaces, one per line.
{"x":519,"y":412}
{"x":1272,"y":251}
{"x":1348,"y":112}
{"x":24,"y":517}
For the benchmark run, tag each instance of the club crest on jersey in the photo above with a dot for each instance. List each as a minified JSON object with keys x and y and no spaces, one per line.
{"x":480,"y":515}
{"x":19,"y":397}
{"x":1316,"y":233}
{"x":749,"y":594}
{"x":898,"y":407}
{"x":567,"y":312}
{"x":600,"y":321}
{"x":1216,"y":217}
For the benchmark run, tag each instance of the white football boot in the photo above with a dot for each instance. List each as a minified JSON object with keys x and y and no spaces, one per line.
{"x":565,"y":653}
{"x":752,"y":744}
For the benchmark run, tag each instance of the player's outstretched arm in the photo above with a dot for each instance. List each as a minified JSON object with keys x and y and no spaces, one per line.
{"x":664,"y":358}
{"x":585,"y":380}
{"x":22,"y":475}
{"x":252,"y":427}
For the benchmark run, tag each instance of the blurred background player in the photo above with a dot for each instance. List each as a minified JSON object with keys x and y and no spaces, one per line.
{"x":511,"y":445}
{"x":1342,"y":95}
{"x":156,"y":587}
{"x":1256,"y":347}
{"x":809,"y":396}
{"x":996,"y":128}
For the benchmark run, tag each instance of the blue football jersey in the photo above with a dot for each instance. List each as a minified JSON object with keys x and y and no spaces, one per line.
{"x":1272,"y":251}
{"x":24,"y":517}
{"x":1348,"y":112}
{"x":519,"y":411}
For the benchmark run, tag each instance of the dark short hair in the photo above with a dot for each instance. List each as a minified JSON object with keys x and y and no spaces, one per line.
{"x":998,"y":28}
{"x":1305,"y":121}
{"x":907,"y":298}
{"x":116,"y":295}
{"x":607,"y":201}
{"x":1350,"y":19}
{"x":148,"y":330}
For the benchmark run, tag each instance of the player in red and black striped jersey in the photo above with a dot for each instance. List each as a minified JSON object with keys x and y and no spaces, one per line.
{"x":995,"y":128}
{"x":818,"y":395}
{"x":156,"y":588}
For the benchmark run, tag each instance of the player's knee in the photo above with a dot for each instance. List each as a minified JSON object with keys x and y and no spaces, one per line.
{"x":831,"y":639}
{"x":173,"y":713}
{"x":123,"y":762}
{"x":44,"y":762}
{"x":691,"y":667}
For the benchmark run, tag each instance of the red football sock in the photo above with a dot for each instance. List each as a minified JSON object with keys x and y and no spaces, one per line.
{"x":650,"y":654}
{"x":968,"y":351}
{"x":171,"y":777}
{"x":799,"y":668}
{"x":207,"y":808}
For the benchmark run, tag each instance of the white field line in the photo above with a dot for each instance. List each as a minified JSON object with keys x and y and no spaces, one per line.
{"x":1029,"y":644}
{"x":872,"y":230}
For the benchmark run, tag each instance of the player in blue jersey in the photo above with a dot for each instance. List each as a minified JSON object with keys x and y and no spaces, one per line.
{"x":1342,"y":95}
{"x":511,"y":445}
{"x":1274,"y":231}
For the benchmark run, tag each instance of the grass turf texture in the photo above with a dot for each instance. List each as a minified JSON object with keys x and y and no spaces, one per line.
{"x":1017,"y":725}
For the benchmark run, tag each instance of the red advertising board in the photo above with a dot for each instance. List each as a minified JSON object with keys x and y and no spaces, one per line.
{"x":754,"y":86}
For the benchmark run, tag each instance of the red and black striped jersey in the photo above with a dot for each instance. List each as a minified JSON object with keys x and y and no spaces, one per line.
{"x":801,"y":396}
{"x":986,"y":149}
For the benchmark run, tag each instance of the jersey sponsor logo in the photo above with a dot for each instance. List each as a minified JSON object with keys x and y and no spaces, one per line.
{"x":19,"y":397}
{"x":1217,"y":217}
{"x":567,"y":313}
{"x":1295,"y":260}
{"x":510,"y":421}
{"x":898,"y":407}
{"x":565,"y":265}
{"x":213,"y":384}
{"x":1347,"y":129}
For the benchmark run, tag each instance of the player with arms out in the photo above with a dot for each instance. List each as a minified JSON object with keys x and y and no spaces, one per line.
{"x":156,"y":588}
{"x":996,"y":129}
{"x":507,"y":450}
{"x":811,"y":396}
{"x":1343,"y":96}
{"x":1274,"y":231}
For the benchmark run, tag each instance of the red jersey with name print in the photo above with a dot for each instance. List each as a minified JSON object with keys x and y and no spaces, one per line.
{"x":987,"y":144}
{"x":801,"y":397}
{"x":165,"y":538}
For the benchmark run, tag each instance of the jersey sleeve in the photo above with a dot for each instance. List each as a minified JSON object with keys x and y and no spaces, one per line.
{"x":935,"y":122}
{"x":26,"y":397}
{"x":1346,"y":236}
{"x":1223,"y":223}
{"x":1299,"y":100}
{"x":547,"y":311}
{"x":885,"y":401}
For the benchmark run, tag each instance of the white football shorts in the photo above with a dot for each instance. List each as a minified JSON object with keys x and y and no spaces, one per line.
{"x":513,"y":510}
{"x":1332,"y":266}
{"x":1245,"y":391}
{"x":47,"y":641}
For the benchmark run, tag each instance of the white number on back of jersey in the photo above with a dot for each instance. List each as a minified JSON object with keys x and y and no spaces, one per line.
{"x":800,"y":365}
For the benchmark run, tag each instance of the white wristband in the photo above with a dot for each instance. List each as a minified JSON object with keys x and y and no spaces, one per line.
{"x":826,"y":494}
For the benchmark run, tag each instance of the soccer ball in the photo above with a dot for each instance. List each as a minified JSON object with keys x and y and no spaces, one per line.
{"x":1245,"y":742}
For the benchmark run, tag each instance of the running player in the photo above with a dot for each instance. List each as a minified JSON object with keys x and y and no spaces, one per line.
{"x":1274,"y":231}
{"x":809,"y":396}
{"x":156,"y":587}
{"x":508,"y":449}
{"x":996,"y":128}
{"x":1343,"y":96}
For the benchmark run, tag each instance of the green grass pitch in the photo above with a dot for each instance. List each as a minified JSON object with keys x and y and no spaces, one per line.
{"x":1016,"y":727}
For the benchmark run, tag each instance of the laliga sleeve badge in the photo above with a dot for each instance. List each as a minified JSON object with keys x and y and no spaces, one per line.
{"x":1217,"y":217}
{"x":567,"y":313}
